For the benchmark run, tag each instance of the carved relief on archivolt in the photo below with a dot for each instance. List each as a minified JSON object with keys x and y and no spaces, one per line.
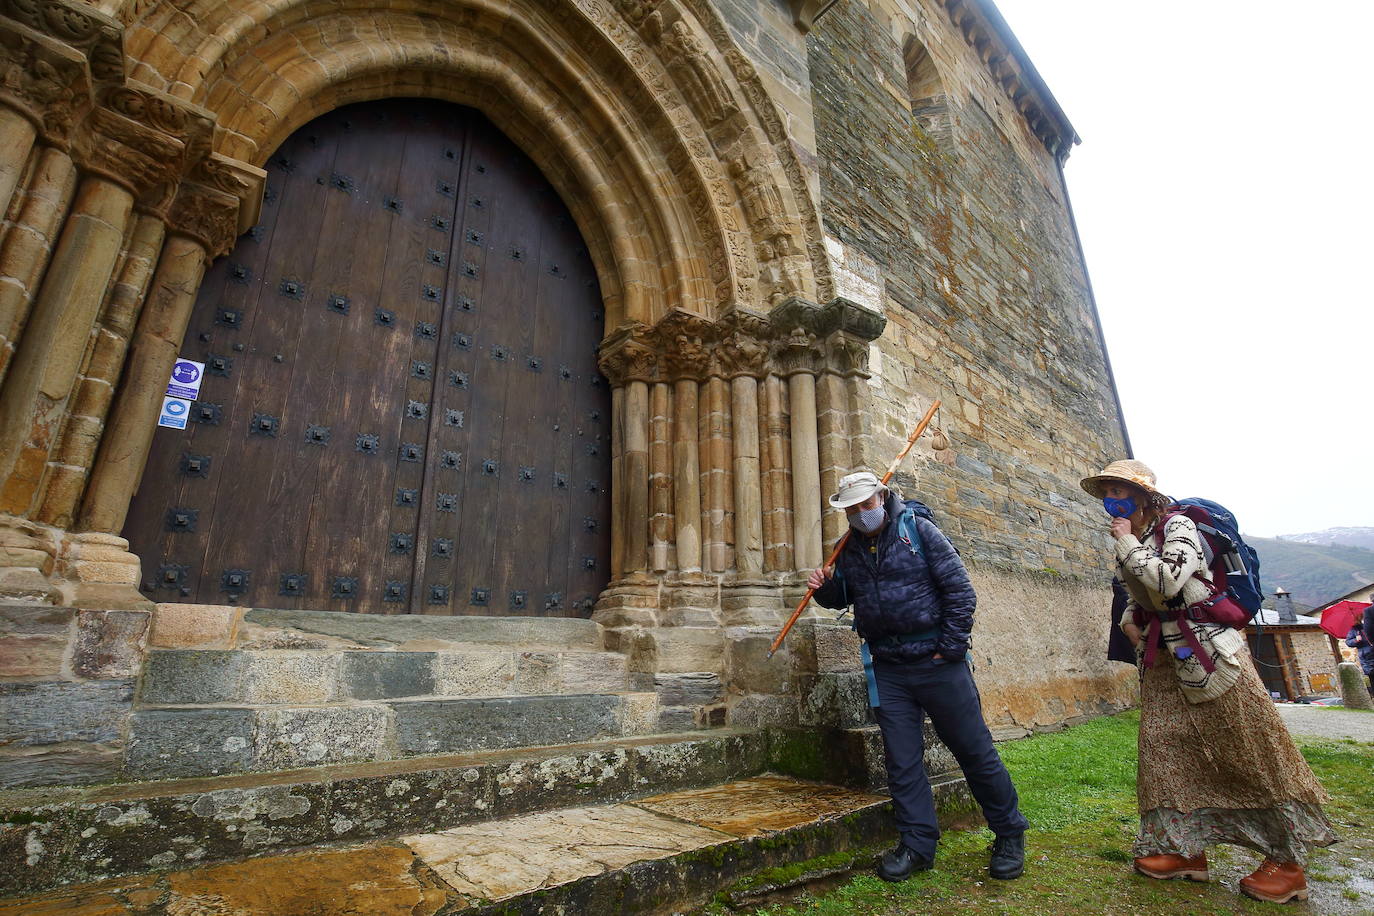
{"x":694,"y":70}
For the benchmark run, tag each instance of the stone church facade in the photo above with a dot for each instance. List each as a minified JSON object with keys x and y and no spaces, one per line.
{"x":800,"y":225}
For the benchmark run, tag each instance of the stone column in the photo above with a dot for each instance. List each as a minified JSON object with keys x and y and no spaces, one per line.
{"x":661,"y":554}
{"x":28,"y":244}
{"x":717,"y":508}
{"x":635,"y":478}
{"x":202,"y":224}
{"x":832,"y":428}
{"x":44,"y":369}
{"x":17,"y":134}
{"x":98,"y":560}
{"x":618,"y":519}
{"x":75,"y":452}
{"x":133,"y":420}
{"x":806,"y":478}
{"x":777,"y":478}
{"x":744,"y":412}
{"x":686,"y":471}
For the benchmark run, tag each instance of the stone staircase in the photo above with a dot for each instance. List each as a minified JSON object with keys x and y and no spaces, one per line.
{"x":280,"y":737}
{"x":665,"y":853}
{"x":303,"y":689}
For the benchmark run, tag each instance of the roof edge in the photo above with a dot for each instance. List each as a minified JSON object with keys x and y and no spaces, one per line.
{"x":987,"y":32}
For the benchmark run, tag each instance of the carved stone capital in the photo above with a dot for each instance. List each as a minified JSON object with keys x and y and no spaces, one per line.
{"x":140,"y":138}
{"x":686,"y":344}
{"x":627,"y":357}
{"x":96,"y":37}
{"x":846,"y":355}
{"x":743,"y":353}
{"x":209,"y":216}
{"x":797,"y":352}
{"x":237,"y":178}
{"x":840,"y":315}
{"x":44,"y":80}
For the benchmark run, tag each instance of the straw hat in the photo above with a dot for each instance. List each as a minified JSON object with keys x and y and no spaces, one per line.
{"x":1129,"y":471}
{"x":855,"y":488}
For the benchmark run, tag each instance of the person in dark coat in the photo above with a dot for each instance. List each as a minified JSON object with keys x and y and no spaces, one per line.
{"x":913,"y":606}
{"x":1119,"y":645}
{"x":1358,"y":639}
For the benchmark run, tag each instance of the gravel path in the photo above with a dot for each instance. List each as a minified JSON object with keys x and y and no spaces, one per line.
{"x":1328,"y":722}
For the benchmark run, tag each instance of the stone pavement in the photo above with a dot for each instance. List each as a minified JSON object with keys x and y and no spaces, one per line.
{"x":1328,"y":722}
{"x":655,"y":854}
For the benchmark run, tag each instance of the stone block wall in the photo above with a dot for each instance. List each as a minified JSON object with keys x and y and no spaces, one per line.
{"x":1312,"y":651}
{"x":67,"y":681}
{"x":979,"y":276}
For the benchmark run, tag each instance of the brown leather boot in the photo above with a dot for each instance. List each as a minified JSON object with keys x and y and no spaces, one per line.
{"x":1275,"y":882}
{"x":1169,"y":865}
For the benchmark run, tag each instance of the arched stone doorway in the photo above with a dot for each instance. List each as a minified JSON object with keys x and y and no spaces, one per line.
{"x":401,"y":411}
{"x":736,"y":375}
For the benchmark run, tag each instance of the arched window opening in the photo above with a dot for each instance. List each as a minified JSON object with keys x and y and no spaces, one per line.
{"x":925,"y":88}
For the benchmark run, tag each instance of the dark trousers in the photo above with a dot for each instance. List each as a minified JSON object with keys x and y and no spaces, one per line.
{"x":946,"y":692}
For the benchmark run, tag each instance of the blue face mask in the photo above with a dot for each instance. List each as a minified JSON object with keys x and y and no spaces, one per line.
{"x":1119,"y":508}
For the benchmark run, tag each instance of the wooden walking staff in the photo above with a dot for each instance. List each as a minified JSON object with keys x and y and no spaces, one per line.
{"x":891,"y":469}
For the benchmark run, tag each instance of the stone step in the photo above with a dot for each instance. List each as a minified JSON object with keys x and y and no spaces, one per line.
{"x":262,"y":677}
{"x":665,"y":853}
{"x":288,"y":629}
{"x":187,"y":741}
{"x":53,"y":836}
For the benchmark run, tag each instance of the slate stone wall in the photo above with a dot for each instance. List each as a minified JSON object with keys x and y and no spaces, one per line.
{"x":66,"y":692}
{"x":984,"y":292}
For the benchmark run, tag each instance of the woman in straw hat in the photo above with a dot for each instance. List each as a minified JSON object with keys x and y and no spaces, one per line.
{"x":1216,"y":764}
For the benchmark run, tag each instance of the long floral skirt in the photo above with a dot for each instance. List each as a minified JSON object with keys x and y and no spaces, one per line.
{"x":1224,"y":771}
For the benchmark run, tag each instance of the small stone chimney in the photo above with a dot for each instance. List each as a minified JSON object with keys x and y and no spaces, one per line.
{"x":1283,"y":605}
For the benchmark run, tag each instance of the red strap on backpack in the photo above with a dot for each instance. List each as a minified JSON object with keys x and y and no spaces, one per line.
{"x":1154,"y":636}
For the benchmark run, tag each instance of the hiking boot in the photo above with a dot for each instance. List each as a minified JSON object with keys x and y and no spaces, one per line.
{"x":1169,"y":865}
{"x":1008,"y":858}
{"x":898,"y":864}
{"x":1275,"y":882}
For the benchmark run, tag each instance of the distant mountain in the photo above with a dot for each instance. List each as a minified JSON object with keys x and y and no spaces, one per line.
{"x":1350,"y":537}
{"x":1314,"y":573}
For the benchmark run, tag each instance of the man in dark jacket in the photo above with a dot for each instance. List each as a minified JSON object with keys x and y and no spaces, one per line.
{"x":913,"y":605}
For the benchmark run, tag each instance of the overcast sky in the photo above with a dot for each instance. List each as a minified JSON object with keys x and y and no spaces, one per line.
{"x":1224,"y":197}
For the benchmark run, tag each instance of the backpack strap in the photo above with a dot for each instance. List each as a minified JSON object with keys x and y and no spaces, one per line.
{"x":1154,"y":637}
{"x":1218,"y":572}
{"x":909,"y":533}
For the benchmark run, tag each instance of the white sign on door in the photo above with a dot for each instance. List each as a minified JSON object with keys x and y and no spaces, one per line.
{"x":174,"y":413}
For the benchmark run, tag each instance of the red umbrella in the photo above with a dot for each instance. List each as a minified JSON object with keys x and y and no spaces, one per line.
{"x":1341,"y":616}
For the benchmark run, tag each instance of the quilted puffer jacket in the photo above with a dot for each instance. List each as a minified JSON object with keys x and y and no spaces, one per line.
{"x":902,"y":592}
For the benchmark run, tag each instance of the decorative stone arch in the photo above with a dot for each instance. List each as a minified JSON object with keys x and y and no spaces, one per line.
{"x":734,"y":393}
{"x":635,"y":118}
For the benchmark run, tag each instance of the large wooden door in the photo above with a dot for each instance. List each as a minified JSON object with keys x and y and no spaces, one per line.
{"x":401,"y":411}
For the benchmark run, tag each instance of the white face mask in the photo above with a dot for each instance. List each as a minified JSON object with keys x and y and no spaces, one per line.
{"x":868,"y":520}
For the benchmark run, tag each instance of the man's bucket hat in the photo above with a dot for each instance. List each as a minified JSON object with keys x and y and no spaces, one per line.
{"x":1135,"y":473}
{"x":854,"y":489}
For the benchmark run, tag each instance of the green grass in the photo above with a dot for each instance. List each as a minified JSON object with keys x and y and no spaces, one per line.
{"x":1077,"y":789}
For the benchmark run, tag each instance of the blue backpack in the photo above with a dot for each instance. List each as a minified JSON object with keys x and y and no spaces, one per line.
{"x":1234,"y":563}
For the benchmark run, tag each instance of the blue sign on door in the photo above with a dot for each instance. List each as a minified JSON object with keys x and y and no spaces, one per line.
{"x":187,"y":375}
